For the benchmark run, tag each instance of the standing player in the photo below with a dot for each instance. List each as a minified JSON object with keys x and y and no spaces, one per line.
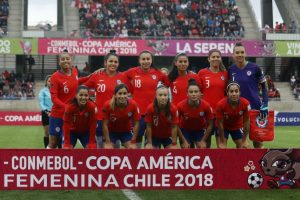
{"x":118,"y":115}
{"x":104,"y":84}
{"x":63,"y":86}
{"x":195,"y":116}
{"x":233,"y":117}
{"x":46,"y":105}
{"x":213,"y":81}
{"x":249,"y":76}
{"x":179,"y":77}
{"x":162,"y":121}
{"x":144,"y":80}
{"x":80,"y":120}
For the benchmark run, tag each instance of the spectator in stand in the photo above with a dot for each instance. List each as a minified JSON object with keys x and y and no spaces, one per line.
{"x":45,"y":105}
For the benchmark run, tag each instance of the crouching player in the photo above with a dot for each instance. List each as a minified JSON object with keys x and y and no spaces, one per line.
{"x":118,"y":115}
{"x":195,"y":116}
{"x":80,"y":120}
{"x":233,"y":117}
{"x":162,"y":121}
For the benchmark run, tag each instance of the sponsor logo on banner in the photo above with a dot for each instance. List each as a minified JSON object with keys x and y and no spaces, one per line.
{"x":287,"y":118}
{"x":31,"y":169}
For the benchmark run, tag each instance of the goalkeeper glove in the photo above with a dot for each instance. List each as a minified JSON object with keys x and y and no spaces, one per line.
{"x":263,"y":111}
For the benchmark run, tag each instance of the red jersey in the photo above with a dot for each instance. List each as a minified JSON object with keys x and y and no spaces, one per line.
{"x":63,"y":90}
{"x":213,"y":86}
{"x":194,"y":119}
{"x":80,"y":120}
{"x":161,"y":126}
{"x":232,"y":117}
{"x":120,"y":120}
{"x":180,"y":85}
{"x":104,"y":86}
{"x":144,"y":85}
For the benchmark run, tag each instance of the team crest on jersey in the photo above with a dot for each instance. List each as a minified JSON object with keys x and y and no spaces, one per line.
{"x":119,"y":82}
{"x":222,"y":78}
{"x":112,"y":118}
{"x":201,"y":114}
{"x":153,"y":77}
{"x":86,"y":114}
{"x":249,"y":73}
{"x":261,"y":123}
{"x":57,"y":129}
{"x":129,"y":114}
{"x":241,"y":112}
{"x":226,"y":115}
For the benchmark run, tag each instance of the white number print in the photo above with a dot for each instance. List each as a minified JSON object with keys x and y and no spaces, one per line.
{"x":66,"y":89}
{"x":174,"y":89}
{"x":101,"y":87}
{"x":207,"y":83}
{"x":192,"y":180}
{"x":137,"y":83}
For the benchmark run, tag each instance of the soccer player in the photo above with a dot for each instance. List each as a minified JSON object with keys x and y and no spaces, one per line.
{"x":104,"y":84}
{"x":63,"y":86}
{"x":46,"y":105}
{"x":179,"y":77}
{"x":249,"y":76}
{"x":144,"y":80}
{"x":195,"y":116}
{"x":118,"y":115}
{"x":162,"y":121}
{"x":80,"y":120}
{"x":233,"y":117}
{"x":213,"y":81}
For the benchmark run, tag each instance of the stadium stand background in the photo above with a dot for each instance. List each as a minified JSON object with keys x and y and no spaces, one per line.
{"x":69,"y":24}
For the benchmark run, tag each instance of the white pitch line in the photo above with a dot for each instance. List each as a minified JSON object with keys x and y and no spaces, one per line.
{"x":131,"y":195}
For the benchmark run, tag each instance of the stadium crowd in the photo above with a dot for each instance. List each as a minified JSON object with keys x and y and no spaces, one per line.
{"x":156,"y":18}
{"x":16,"y":86}
{"x":4,"y":12}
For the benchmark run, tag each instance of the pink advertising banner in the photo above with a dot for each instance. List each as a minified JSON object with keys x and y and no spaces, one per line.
{"x":128,"y":47}
{"x":198,"y":169}
{"x":8,"y":118}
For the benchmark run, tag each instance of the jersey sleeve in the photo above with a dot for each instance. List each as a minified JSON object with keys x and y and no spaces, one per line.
{"x":219,"y":113}
{"x":175,"y":116}
{"x":90,"y":81}
{"x":82,"y":80}
{"x":259,"y":75}
{"x":149,"y":114}
{"x":92,"y":122}
{"x":136,"y":112}
{"x":105,"y":110}
{"x":208,"y":112}
{"x":67,"y":124}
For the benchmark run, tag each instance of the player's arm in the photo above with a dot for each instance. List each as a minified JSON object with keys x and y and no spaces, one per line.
{"x":246,"y":128}
{"x":66,"y":128}
{"x":210,"y":124}
{"x":107,"y":144}
{"x":92,"y":125}
{"x":82,"y":80}
{"x":221,"y":133}
{"x":149,"y":136}
{"x":135,"y":130}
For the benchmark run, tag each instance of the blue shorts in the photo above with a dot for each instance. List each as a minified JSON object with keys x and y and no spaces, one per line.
{"x":193,"y":136}
{"x":56,"y":126}
{"x":123,"y":137}
{"x":99,"y":128}
{"x":82,"y":137}
{"x":235,"y":134}
{"x":157,"y":142}
{"x":142,"y":127}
